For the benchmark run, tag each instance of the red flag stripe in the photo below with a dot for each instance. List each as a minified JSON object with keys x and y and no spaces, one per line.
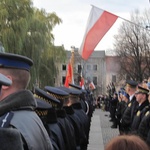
{"x":96,"y":31}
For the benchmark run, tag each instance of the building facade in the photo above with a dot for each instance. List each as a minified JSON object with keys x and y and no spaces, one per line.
{"x":99,"y":68}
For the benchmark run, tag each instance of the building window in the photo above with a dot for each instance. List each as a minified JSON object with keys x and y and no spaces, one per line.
{"x":113,"y":78}
{"x":88,"y":67}
{"x":64,"y":67}
{"x":95,"y":80}
{"x":79,"y":68}
{"x":63,"y":80}
{"x":95,"y":67}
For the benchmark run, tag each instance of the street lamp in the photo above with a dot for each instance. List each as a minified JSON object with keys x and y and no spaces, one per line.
{"x":2,"y":50}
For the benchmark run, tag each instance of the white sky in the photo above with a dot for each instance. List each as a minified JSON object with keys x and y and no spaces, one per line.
{"x":74,"y":14}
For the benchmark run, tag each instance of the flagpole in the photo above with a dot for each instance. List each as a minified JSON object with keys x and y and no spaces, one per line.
{"x":72,"y":62}
{"x":123,"y":18}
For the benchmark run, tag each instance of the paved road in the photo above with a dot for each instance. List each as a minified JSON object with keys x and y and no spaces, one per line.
{"x":100,"y":131}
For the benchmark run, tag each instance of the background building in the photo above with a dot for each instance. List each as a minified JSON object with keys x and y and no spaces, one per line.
{"x":99,"y":68}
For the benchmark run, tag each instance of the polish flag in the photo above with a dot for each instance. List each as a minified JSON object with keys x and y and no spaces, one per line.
{"x":99,"y":22}
{"x":82,"y":82}
{"x":92,"y":86}
{"x":69,"y":75}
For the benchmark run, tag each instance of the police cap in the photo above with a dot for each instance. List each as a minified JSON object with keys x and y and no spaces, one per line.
{"x":56,"y":92}
{"x":75,"y":86}
{"x":71,"y":91}
{"x":43,"y":95}
{"x":9,"y":60}
{"x":131,"y":83}
{"x":142,"y":90}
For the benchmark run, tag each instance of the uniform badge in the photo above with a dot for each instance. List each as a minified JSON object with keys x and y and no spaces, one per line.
{"x":129,"y":105}
{"x":138,"y":113}
{"x":147,"y":113}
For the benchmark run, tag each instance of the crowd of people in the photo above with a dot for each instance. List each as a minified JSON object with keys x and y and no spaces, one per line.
{"x":129,"y":110}
{"x":53,"y":118}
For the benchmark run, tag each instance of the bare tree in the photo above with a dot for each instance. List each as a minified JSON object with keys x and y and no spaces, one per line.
{"x":132,"y":44}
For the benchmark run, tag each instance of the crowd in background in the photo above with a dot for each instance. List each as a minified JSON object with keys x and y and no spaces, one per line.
{"x":129,"y":109}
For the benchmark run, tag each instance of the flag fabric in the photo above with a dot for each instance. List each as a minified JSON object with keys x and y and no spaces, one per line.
{"x":99,"y":22}
{"x":69,"y":74}
{"x":92,"y":86}
{"x":82,"y":83}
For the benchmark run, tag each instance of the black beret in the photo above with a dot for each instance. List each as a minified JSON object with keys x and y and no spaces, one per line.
{"x":4,"y":80}
{"x":9,"y":60}
{"x":43,"y":95}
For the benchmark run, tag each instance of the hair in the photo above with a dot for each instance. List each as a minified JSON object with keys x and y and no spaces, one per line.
{"x":20,"y":78}
{"x":126,"y":142}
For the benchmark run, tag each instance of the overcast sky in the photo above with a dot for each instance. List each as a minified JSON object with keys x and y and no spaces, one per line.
{"x":74,"y":14}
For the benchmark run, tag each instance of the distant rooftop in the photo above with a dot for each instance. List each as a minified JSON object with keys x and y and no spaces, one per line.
{"x":96,"y":54}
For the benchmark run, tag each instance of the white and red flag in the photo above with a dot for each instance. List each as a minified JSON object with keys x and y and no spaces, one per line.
{"x":92,"y":86}
{"x":99,"y":22}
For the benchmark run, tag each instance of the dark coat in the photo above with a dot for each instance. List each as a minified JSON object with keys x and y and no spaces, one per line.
{"x":54,"y":130}
{"x":79,"y":112}
{"x":10,"y":139}
{"x":67,"y":130}
{"x":144,"y":125}
{"x":138,"y":116}
{"x":120,"y":110}
{"x":25,"y":120}
{"x":128,"y":115}
{"x":79,"y":130}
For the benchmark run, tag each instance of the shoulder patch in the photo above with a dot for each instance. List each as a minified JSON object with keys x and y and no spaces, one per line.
{"x":129,"y":105}
{"x":138,"y":113}
{"x":146,"y":114}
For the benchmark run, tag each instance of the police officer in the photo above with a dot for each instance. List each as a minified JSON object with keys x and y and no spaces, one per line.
{"x":48,"y":115}
{"x":127,"y":118}
{"x":80,"y":135}
{"x":19,"y":103}
{"x":113,"y":104}
{"x":78,"y":109}
{"x":65,"y":125}
{"x":142,"y":99}
{"x":9,"y":138}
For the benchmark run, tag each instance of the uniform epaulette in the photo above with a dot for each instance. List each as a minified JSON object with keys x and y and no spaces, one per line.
{"x":146,"y":114}
{"x":129,"y":105}
{"x":6,"y":119}
{"x":138,"y":113}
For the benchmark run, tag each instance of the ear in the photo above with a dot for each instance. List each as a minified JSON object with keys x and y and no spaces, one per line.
{"x":6,"y":87}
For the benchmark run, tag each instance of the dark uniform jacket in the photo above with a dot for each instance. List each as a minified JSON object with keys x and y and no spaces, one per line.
{"x":10,"y":139}
{"x":67,"y":130}
{"x":25,"y":120}
{"x":127,"y":116}
{"x":138,"y":116}
{"x":80,"y":113}
{"x":120,"y":110}
{"x":79,"y":130}
{"x":144,"y":126}
{"x":54,"y":130}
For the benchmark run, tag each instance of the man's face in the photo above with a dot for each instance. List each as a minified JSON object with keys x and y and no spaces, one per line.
{"x":139,"y":97}
{"x":127,"y":89}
